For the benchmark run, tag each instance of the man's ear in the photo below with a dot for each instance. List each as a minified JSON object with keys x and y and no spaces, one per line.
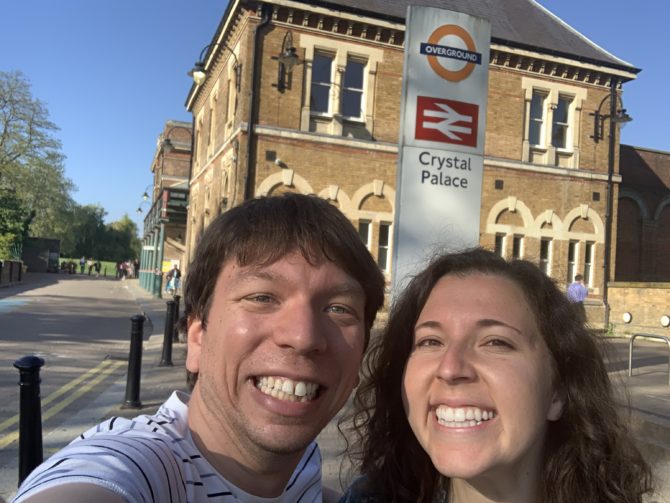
{"x":195,"y":334}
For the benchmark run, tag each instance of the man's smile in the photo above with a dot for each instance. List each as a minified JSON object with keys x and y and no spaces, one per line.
{"x":287,"y":389}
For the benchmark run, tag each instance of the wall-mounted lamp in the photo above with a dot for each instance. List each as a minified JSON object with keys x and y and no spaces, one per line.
{"x":665,"y":320}
{"x":287,"y":60}
{"x":627,"y":317}
{"x":142,"y":203}
{"x":198,"y":72}
{"x":145,"y":194}
{"x":167,"y":145}
{"x":617,"y":116}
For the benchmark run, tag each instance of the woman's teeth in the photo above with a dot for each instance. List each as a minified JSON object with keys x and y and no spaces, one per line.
{"x":462,"y":417}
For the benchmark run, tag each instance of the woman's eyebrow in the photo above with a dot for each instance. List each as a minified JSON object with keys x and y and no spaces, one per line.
{"x":490,"y":322}
{"x":428,"y":324}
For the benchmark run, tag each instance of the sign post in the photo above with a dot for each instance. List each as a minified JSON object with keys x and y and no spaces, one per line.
{"x":441,"y":151}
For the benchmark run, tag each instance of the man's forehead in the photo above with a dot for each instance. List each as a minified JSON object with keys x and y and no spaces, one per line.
{"x":271,"y":270}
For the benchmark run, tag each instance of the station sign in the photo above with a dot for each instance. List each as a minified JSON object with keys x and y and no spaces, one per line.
{"x":441,"y":147}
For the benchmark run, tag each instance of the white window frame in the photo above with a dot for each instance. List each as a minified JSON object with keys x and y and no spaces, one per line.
{"x":567,"y":125}
{"x":329,"y":85}
{"x":361,"y":115}
{"x":332,"y":123}
{"x":542,"y":120}
{"x":367,"y":238}
{"x":574,"y":263}
{"x":517,"y":238}
{"x":545,"y":263}
{"x":544,"y":151}
{"x":589,"y":255}
{"x":499,"y":236}
{"x":386,"y":248}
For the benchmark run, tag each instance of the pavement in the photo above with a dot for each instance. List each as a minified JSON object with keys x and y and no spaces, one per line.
{"x":645,"y":395}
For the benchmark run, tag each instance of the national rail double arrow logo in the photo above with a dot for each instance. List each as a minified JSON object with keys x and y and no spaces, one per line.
{"x":446,"y":121}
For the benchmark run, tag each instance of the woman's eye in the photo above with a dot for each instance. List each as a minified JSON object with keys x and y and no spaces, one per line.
{"x":428,"y":342}
{"x":497,"y":342}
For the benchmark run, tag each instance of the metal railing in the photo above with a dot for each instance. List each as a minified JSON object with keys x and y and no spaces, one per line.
{"x":650,"y":336}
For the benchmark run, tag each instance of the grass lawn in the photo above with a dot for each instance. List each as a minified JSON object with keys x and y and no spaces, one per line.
{"x":110,"y":267}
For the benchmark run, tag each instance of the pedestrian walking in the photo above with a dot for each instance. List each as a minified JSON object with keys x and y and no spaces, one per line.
{"x":577,"y":293}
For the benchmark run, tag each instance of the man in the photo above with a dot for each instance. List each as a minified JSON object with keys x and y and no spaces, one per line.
{"x":576,"y":293}
{"x":279,"y":302}
{"x":173,"y":280}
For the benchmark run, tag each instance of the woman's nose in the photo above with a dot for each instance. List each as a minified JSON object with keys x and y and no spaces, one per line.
{"x":456,"y":364}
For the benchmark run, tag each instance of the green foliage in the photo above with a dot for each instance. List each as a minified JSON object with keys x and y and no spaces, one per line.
{"x":14,"y":221}
{"x":90,"y":237}
{"x":34,"y":191}
{"x":31,"y":161}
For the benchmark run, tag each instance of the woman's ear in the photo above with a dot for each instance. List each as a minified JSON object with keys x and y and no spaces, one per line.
{"x":195,"y":334}
{"x":556,"y":406}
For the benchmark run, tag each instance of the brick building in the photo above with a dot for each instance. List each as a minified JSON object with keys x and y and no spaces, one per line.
{"x":641,"y":286}
{"x":329,"y":125}
{"x":643,"y":238}
{"x":164,"y":236}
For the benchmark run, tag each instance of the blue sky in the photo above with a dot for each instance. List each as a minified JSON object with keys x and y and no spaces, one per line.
{"x":111,"y":74}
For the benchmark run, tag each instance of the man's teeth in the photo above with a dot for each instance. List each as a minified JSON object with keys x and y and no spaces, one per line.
{"x":287,"y":389}
{"x":462,"y":417}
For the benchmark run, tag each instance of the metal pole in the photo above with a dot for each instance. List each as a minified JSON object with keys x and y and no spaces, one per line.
{"x":610,"y":200}
{"x":175,"y":338}
{"x":134,"y":364}
{"x":166,"y":356}
{"x":30,"y":415}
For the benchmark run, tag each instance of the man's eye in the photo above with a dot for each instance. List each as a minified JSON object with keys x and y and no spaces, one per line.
{"x":338,"y":309}
{"x":260,"y":298}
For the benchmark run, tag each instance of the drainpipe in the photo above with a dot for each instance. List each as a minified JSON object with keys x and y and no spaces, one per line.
{"x":610,"y":200}
{"x":266,"y":13}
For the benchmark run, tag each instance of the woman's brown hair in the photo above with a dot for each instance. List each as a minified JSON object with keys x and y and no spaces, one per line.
{"x":589,"y":454}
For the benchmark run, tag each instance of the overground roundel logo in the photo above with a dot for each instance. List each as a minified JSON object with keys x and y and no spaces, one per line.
{"x":434,"y":52}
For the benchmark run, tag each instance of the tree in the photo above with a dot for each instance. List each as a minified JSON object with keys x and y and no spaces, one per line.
{"x":31,"y":161}
{"x":25,"y":128}
{"x":86,"y":233}
{"x":123,"y":233}
{"x":14,"y":221}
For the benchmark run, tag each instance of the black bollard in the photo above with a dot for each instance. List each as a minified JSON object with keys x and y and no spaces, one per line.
{"x":166,"y":356}
{"x":175,"y":338}
{"x":134,"y":364}
{"x":30,"y":415}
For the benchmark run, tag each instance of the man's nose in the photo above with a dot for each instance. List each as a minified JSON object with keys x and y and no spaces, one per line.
{"x":457,"y":364}
{"x":302,"y":328}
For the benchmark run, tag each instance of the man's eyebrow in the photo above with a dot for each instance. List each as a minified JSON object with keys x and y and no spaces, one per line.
{"x":346,"y":287}
{"x":252,"y":273}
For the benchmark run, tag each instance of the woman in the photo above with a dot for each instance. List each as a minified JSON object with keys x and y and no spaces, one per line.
{"x":484,"y":387}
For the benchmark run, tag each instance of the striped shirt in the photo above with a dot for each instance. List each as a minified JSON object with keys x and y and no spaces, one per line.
{"x":153,"y":459}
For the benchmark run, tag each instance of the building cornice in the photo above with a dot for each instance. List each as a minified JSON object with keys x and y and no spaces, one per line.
{"x":339,"y":141}
{"x":549,"y":170}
